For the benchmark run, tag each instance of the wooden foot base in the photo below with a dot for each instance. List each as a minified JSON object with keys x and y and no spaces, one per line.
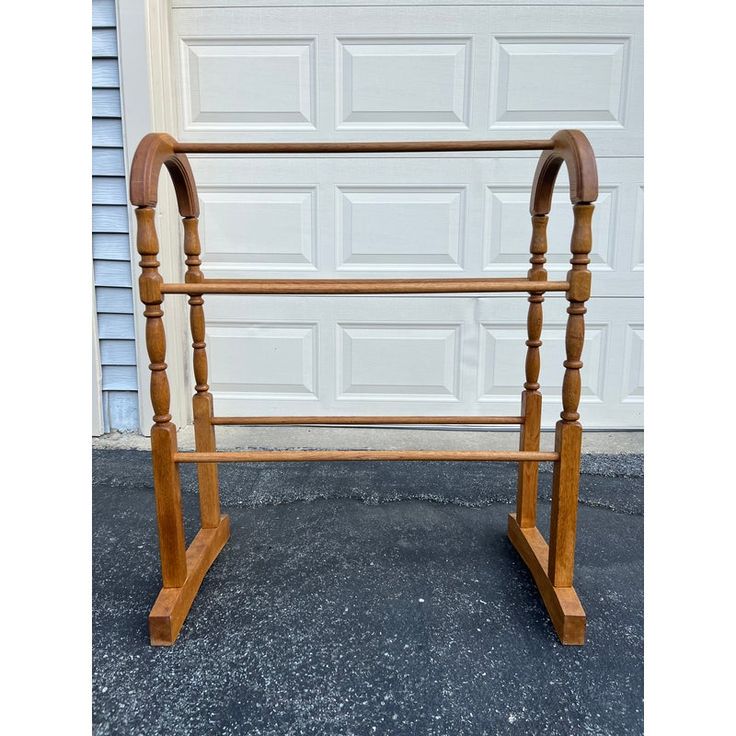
{"x":562,"y":604}
{"x":173,"y":604}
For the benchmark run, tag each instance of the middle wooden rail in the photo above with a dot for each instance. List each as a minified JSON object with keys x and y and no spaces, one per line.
{"x":362,"y":286}
{"x":296,"y":456}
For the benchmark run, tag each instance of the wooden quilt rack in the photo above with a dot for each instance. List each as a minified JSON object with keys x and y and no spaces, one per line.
{"x":183,"y":568}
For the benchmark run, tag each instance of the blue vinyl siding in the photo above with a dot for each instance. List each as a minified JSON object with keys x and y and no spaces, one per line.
{"x":104,"y":43}
{"x":117,"y":352}
{"x":103,"y":14}
{"x":108,"y":162}
{"x":106,"y":103}
{"x":111,"y":247}
{"x":112,"y":273}
{"x":110,"y":237}
{"x":105,"y":73}
{"x":116,"y":327}
{"x":107,"y":132}
{"x":108,"y":190}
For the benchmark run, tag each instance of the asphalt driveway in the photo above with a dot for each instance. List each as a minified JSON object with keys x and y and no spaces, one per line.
{"x":367,"y":598}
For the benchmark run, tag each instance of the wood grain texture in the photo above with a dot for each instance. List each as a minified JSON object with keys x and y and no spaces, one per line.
{"x":364,"y":147}
{"x":572,"y":148}
{"x":149,"y":286}
{"x":173,"y":604}
{"x":194,"y":275}
{"x":537,"y":272}
{"x":363,"y":286}
{"x":163,"y":433}
{"x":531,"y":399}
{"x":295,"y":456}
{"x":204,"y":441}
{"x":563,"y":518}
{"x":154,"y":151}
{"x":526,"y":491}
{"x":204,"y":431}
{"x":298,"y":420}
{"x":562,"y":603}
{"x":168,"y":506}
{"x":577,"y":295}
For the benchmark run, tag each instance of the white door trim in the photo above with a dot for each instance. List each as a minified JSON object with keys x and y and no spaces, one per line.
{"x":148,"y":105}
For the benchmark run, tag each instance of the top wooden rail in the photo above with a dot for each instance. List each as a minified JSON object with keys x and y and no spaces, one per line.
{"x":365,"y":147}
{"x":566,"y":146}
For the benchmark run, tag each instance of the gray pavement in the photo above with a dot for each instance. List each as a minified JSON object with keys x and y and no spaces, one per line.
{"x":367,"y":598}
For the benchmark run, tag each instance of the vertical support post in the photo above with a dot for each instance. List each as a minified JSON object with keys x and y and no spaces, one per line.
{"x":163,"y":433}
{"x":531,"y":398}
{"x":204,"y":430}
{"x":568,"y":431}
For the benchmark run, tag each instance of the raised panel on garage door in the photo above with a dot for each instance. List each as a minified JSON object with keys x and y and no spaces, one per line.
{"x":404,"y":215}
{"x":380,"y":355}
{"x":347,"y":71}
{"x":429,"y":70}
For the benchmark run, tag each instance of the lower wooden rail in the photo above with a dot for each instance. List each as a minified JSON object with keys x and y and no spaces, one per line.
{"x":297,"y":456}
{"x":551,"y":565}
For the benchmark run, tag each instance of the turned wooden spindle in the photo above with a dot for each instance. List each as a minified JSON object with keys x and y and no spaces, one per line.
{"x":577,"y":295}
{"x":194,"y":275}
{"x":202,"y":402}
{"x":531,"y":399}
{"x":537,"y":272}
{"x":150,"y":282}
{"x":163,"y":433}
{"x":569,"y":432}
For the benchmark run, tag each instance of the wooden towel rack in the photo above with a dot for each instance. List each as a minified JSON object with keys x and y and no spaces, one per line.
{"x":183,"y":568}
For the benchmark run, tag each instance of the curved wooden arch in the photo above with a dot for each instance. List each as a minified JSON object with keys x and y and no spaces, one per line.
{"x":573,"y":148}
{"x":154,"y":151}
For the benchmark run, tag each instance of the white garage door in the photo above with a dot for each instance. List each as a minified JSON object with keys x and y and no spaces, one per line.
{"x":409,"y":70}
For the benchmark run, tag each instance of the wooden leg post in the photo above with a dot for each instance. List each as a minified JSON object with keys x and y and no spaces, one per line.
{"x":531,"y":399}
{"x":168,"y":505}
{"x":526,"y":494}
{"x":552,"y":566}
{"x":182,"y":569}
{"x":204,"y":441}
{"x":563,"y":518}
{"x":204,"y":430}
